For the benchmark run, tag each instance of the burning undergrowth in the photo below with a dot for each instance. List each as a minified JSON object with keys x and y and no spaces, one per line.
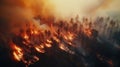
{"x":28,"y":42}
{"x":30,"y":34}
{"x":74,"y":37}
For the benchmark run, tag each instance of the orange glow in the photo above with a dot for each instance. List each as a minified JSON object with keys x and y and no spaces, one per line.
{"x":69,"y":36}
{"x":41,"y":46}
{"x":44,"y":25}
{"x":34,"y":32}
{"x":49,"y":41}
{"x":35,"y":57}
{"x":40,"y":50}
{"x":18,"y":54}
{"x":48,"y":45}
{"x":56,"y":39}
{"x":62,"y":47}
{"x":88,"y":32}
{"x":40,"y":40}
{"x":65,"y":48}
{"x":26,"y":36}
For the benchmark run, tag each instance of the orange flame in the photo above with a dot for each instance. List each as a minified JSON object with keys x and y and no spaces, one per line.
{"x":40,"y":50}
{"x":18,"y":53}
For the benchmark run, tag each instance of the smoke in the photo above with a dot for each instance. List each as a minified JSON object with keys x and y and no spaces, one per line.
{"x":68,"y":8}
{"x":16,"y":14}
{"x":23,"y":11}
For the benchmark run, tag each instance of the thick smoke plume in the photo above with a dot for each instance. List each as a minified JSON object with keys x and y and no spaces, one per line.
{"x":15,"y":14}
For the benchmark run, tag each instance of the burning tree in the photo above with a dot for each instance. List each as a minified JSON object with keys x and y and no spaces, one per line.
{"x":72,"y":38}
{"x":66,"y":36}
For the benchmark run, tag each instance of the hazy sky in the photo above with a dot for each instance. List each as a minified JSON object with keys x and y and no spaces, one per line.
{"x":59,"y":8}
{"x":86,"y":7}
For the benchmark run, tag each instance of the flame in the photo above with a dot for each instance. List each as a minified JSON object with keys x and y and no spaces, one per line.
{"x":35,"y":57}
{"x":40,"y":50}
{"x":49,"y":41}
{"x":65,"y":48}
{"x":26,"y":36}
{"x":69,"y":36}
{"x":56,"y":39}
{"x":48,"y":45}
{"x":88,"y":32}
{"x":34,"y":40}
{"x":18,"y":53}
{"x":62,"y":47}
{"x":37,"y":40}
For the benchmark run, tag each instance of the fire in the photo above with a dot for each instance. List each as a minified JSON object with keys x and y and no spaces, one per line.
{"x":88,"y":32}
{"x":65,"y":48}
{"x":33,"y":41}
{"x":56,"y":39}
{"x":35,"y":57}
{"x":48,"y":45}
{"x":39,"y":50}
{"x":18,"y":53}
{"x":26,"y":36}
{"x":69,"y":36}
{"x":34,"y":32}
{"x":49,"y":41}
